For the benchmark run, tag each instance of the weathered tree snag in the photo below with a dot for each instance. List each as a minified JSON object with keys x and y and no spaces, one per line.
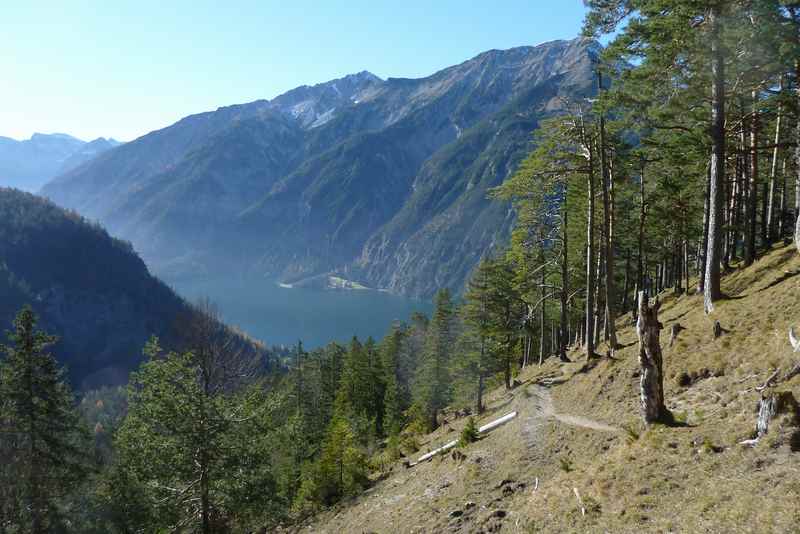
{"x":652,"y":377}
{"x":773,"y":403}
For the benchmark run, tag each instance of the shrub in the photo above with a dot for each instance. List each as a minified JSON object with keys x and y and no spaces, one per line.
{"x":469,"y":434}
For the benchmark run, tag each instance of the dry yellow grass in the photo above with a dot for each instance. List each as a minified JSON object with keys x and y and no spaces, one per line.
{"x":692,"y":478}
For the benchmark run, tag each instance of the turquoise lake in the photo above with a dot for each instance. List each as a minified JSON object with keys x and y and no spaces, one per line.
{"x":282,"y":316}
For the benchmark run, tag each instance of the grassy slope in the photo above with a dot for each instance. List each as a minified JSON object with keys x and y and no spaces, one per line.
{"x":694,"y":478}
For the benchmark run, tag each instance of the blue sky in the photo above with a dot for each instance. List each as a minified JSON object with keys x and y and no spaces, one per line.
{"x":122,"y":68}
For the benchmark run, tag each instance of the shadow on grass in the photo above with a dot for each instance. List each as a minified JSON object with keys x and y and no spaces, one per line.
{"x":786,"y":276}
{"x":669,"y":420}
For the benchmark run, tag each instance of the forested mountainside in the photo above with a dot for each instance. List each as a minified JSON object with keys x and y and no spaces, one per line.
{"x":31,"y":163}
{"x":381,"y":181}
{"x":89,"y":289}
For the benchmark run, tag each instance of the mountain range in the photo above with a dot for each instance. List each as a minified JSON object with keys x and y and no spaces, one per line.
{"x":31,"y":163}
{"x":383,"y":182}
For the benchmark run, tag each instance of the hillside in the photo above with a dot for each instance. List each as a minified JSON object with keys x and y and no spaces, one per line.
{"x":31,"y":163}
{"x":584,"y":432}
{"x":380,"y":181}
{"x":89,"y":289}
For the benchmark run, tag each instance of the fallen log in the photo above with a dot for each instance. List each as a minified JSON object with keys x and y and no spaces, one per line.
{"x":447,"y":446}
{"x":497,"y":422}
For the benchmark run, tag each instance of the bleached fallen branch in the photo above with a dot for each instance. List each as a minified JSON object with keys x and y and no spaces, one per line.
{"x":497,"y":422}
{"x":769,"y":381}
{"x":580,"y":501}
{"x":488,"y":427}
{"x":443,"y":448}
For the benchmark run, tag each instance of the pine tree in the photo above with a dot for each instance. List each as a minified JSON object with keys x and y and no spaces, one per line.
{"x":392,"y":403}
{"x":194,"y":446}
{"x":342,"y":469}
{"x":432,"y":381}
{"x":43,"y":442}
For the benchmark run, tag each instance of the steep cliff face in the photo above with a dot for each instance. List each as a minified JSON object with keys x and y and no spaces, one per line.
{"x":382,"y":181}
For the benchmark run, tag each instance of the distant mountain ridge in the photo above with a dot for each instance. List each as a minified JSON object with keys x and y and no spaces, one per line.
{"x":31,"y":163}
{"x":87,"y":288}
{"x":380,"y":181}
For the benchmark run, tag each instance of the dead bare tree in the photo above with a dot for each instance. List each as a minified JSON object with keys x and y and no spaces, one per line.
{"x":651,"y":382}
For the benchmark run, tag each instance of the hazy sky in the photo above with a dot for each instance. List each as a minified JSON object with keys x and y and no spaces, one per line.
{"x":123,"y":68}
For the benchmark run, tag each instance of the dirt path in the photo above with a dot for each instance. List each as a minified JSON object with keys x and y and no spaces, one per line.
{"x":538,"y":408}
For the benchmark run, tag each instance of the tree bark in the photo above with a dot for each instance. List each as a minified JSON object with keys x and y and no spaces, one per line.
{"x":773,"y":403}
{"x":608,"y":245}
{"x":640,"y":241}
{"x":702,"y":249}
{"x":651,"y":384}
{"x":564,"y":338}
{"x":543,"y":291}
{"x":597,"y":302}
{"x":752,"y":189}
{"x":589,"y":347}
{"x":782,"y":216}
{"x":479,"y":403}
{"x":797,"y":158}
{"x":712,"y":275}
{"x":626,"y":285}
{"x":773,"y":173}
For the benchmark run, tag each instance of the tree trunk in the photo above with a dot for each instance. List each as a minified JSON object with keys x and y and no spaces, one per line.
{"x":773,"y":403}
{"x":590,"y":344}
{"x":608,"y":245}
{"x":702,"y":249}
{"x":752,"y":190}
{"x":543,"y":292}
{"x":564,"y":338}
{"x":712,"y":275}
{"x":782,"y":216}
{"x":640,"y":242}
{"x":204,"y":500}
{"x":773,"y":173}
{"x":797,"y":159}
{"x":626,"y":284}
{"x":479,"y":403}
{"x":652,"y":376}
{"x":686,"y":263}
{"x":597,"y":301}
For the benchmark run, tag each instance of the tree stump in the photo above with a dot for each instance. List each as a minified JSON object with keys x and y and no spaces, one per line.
{"x":675,"y":329}
{"x":717,"y":329}
{"x":651,"y":381}
{"x":773,"y":403}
